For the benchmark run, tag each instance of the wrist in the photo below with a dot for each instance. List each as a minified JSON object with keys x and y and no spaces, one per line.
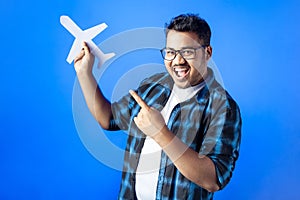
{"x":84,"y":73}
{"x":163,"y":137}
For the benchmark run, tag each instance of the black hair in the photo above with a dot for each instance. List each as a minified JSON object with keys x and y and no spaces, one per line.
{"x":191,"y":23}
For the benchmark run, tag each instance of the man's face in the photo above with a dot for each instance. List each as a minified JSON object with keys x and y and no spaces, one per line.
{"x":186,"y":72}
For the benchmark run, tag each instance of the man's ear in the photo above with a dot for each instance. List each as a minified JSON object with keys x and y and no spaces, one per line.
{"x":208,"y":52}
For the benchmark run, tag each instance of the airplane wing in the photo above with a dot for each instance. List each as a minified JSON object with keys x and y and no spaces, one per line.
{"x":75,"y":49}
{"x":94,"y":31}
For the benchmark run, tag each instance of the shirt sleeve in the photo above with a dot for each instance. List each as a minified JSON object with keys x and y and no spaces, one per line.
{"x":121,"y":111}
{"x":221,"y":141}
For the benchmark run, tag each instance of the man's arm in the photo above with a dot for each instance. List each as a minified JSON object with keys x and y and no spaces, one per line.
{"x":198,"y":168}
{"x":98,"y":105}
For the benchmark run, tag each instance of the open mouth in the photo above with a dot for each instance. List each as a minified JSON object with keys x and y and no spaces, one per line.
{"x":182,"y":71}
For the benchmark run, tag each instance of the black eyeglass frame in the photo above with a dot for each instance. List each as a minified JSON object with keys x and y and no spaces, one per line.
{"x":180,"y":52}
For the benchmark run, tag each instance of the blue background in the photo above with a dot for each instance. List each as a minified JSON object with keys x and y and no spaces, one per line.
{"x":256,"y":46}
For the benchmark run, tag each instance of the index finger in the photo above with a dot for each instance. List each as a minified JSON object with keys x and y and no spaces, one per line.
{"x":139,"y":100}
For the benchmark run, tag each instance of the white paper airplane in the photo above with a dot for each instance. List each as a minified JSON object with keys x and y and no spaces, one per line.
{"x":87,"y":36}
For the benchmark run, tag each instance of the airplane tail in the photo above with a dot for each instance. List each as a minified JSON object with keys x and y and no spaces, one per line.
{"x":104,"y":58}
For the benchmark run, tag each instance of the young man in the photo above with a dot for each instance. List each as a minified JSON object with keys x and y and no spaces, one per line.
{"x":184,"y":129}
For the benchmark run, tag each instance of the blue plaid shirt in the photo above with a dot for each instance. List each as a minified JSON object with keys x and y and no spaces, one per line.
{"x":209,"y":123}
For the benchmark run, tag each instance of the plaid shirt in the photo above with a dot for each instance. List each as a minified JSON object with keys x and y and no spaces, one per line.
{"x":209,"y":123}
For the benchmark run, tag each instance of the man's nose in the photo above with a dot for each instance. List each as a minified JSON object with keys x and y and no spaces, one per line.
{"x":179,"y":59}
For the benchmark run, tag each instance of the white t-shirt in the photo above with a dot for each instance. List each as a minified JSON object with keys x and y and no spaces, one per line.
{"x":149,"y":163}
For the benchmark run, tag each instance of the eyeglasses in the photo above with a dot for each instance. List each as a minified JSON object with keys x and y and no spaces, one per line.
{"x":187,"y":53}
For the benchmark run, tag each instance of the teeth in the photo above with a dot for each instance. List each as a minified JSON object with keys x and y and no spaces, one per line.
{"x":181,"y":72}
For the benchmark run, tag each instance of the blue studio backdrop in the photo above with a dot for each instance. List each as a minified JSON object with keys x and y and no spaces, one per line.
{"x":43,"y":150}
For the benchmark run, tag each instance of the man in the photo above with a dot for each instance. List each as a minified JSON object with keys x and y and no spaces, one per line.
{"x":184,"y":129}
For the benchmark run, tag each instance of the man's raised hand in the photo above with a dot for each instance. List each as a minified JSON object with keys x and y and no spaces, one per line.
{"x":84,"y":61}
